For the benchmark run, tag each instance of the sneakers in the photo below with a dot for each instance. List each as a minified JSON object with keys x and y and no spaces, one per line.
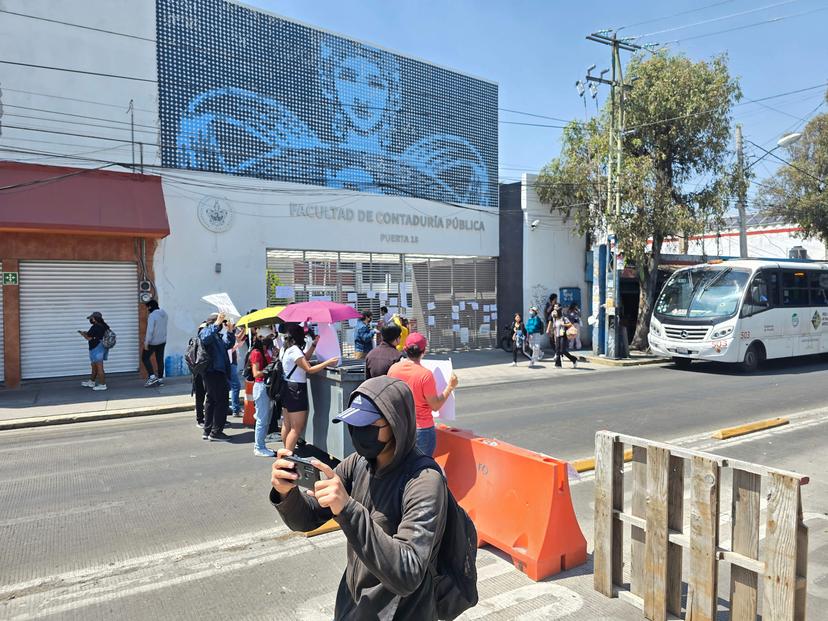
{"x":514,"y":364}
{"x":574,"y":364}
{"x":88,"y":384}
{"x":206,"y":434}
{"x":219,"y":437}
{"x":99,"y":387}
{"x":263,"y":453}
{"x":199,"y":424}
{"x":151,"y":381}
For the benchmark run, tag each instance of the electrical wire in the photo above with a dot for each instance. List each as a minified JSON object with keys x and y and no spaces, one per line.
{"x":663,"y":17}
{"x":35,"y":182}
{"x":713,"y":20}
{"x":84,"y":27}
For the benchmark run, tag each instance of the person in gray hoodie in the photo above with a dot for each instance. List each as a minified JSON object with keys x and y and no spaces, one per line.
{"x":155,"y":340}
{"x":393,"y":519}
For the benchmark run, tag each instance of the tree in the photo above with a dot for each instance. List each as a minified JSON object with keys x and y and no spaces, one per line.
{"x":798,"y":191}
{"x":674,"y":175}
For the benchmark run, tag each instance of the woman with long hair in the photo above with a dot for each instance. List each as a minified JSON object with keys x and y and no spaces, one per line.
{"x":260,"y":357}
{"x":296,"y":369}
{"x":97,"y":352}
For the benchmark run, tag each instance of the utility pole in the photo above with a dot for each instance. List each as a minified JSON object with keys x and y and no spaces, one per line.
{"x":614,"y":342}
{"x":740,"y":188}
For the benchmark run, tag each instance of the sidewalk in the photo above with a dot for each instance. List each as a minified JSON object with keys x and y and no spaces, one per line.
{"x":65,"y":400}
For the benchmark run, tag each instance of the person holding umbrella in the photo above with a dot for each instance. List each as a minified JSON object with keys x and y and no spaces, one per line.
{"x":296,"y":369}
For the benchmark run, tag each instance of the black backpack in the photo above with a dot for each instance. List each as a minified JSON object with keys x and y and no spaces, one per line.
{"x":455,"y":583}
{"x":197,"y":356}
{"x":248,"y":368}
{"x":275,"y":379}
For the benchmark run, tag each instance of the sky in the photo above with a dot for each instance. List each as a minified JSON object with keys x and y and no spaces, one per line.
{"x":536,"y":50}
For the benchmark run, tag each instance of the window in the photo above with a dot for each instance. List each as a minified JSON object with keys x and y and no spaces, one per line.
{"x":762,"y":294}
{"x":795,"y":288}
{"x":818,"y":281}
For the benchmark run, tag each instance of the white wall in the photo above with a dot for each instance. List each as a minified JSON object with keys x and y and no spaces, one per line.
{"x":553,"y":254}
{"x":45,"y":99}
{"x":763,"y":242}
{"x":288,"y":216}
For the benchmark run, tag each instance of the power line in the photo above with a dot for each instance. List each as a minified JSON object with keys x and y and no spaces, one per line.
{"x":715,"y":19}
{"x":34,"y":182}
{"x":80,"y":71}
{"x":663,"y":17}
{"x":772,"y":20}
{"x":62,"y":23}
{"x":86,"y":101}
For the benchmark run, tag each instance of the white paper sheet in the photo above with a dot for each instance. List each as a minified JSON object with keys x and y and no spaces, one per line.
{"x":284,"y":291}
{"x":455,"y":327}
{"x":352,"y":296}
{"x":475,"y":306}
{"x":320,"y":298}
{"x":432,"y":321}
{"x":455,"y":316}
{"x":486,"y":318}
{"x":352,"y":323}
{"x":462,"y":306}
{"x":328,"y":345}
{"x":464,"y":335}
{"x":493,"y":307}
{"x":403,"y":293}
{"x":442,"y":370}
{"x":494,"y":316}
{"x":455,"y":309}
{"x":486,"y":308}
{"x":392,"y":301}
{"x":431,"y":306}
{"x":371,"y":294}
{"x":224,"y":305}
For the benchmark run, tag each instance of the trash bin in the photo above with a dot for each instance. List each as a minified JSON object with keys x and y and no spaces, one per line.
{"x":328,"y":393}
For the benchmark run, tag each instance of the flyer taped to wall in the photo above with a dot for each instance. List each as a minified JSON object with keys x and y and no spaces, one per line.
{"x":442,"y":370}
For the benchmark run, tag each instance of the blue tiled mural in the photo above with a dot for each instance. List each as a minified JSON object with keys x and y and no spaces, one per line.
{"x":247,"y":93}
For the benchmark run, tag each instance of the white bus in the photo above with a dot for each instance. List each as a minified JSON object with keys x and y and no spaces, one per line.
{"x":742,"y":311}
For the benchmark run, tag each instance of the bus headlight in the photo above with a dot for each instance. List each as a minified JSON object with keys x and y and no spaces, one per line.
{"x":720,"y":334}
{"x":655,"y":327}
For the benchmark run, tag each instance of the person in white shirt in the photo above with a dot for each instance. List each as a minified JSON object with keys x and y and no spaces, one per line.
{"x":155,"y":340}
{"x":296,"y":369}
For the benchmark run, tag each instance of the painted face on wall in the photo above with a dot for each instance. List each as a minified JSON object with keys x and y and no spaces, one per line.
{"x":362,"y":92}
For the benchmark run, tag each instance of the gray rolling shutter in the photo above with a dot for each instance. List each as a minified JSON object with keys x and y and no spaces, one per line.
{"x":2,"y":350}
{"x":55,"y":300}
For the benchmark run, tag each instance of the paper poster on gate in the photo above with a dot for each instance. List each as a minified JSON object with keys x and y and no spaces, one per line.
{"x":431,"y":321}
{"x":442,"y":370}
{"x":474,"y":306}
{"x":328,"y":345}
{"x":352,"y":296}
{"x":431,"y":306}
{"x":284,"y":291}
{"x":224,"y":305}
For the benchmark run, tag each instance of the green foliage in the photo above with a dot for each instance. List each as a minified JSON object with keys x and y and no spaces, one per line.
{"x":675,"y":177}
{"x":798,"y":192}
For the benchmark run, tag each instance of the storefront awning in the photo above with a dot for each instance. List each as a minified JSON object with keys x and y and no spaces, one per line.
{"x":55,"y":199}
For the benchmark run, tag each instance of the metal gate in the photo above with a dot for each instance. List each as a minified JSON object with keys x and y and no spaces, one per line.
{"x":452,"y":300}
{"x":55,"y":300}
{"x":2,"y":350}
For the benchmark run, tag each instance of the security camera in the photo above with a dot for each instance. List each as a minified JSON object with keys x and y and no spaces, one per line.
{"x":534,"y":224}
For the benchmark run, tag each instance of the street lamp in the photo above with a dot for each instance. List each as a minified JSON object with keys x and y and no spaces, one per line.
{"x":784,"y":141}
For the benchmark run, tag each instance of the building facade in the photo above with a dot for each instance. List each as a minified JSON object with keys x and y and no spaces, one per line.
{"x":291,"y":163}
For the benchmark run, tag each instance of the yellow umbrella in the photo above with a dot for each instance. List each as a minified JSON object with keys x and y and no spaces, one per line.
{"x":262,"y":317}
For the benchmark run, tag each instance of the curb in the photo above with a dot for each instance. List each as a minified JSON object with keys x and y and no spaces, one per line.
{"x":588,"y":463}
{"x":625,"y":362}
{"x":328,"y":527}
{"x":84,"y":417}
{"x":741,"y":430}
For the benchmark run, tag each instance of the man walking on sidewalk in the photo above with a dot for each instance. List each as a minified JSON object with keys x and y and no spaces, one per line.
{"x":217,"y":379}
{"x":155,"y":340}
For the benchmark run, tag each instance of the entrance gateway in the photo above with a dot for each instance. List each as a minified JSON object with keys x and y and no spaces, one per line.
{"x":450,"y":299}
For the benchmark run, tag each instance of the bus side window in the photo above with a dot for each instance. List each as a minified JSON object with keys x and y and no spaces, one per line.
{"x":819,"y":288}
{"x":757,"y":298}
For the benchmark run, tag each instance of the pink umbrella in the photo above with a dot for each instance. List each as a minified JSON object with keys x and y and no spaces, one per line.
{"x":318,"y":312}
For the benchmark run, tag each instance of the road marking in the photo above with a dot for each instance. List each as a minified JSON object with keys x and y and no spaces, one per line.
{"x":47,"y":445}
{"x":56,"y":595}
{"x":566,"y":602}
{"x":63,"y":513}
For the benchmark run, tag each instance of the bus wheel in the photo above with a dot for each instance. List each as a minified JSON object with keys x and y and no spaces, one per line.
{"x":754,"y":356}
{"x":682,"y":363}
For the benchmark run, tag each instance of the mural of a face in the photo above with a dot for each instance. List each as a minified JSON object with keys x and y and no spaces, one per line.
{"x":362,"y":91}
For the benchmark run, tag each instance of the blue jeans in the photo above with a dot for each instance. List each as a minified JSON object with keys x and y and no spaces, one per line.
{"x":235,"y":387}
{"x":263,"y":413}
{"x":427,"y":440}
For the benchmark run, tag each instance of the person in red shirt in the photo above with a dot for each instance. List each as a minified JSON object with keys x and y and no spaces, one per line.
{"x":260,"y":357}
{"x":421,"y":382}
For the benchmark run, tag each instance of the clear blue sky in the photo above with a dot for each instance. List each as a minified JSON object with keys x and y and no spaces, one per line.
{"x":536,"y":50}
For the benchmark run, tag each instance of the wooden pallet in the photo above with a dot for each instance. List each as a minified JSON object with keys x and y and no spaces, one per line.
{"x":659,"y":540}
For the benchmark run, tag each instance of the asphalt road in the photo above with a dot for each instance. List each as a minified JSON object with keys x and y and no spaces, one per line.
{"x":140,"y":519}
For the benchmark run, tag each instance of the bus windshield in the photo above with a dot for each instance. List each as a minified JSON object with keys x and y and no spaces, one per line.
{"x":702,"y":293}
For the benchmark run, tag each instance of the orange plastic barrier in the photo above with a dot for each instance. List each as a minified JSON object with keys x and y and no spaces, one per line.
{"x":518,"y":500}
{"x":249,"y":419}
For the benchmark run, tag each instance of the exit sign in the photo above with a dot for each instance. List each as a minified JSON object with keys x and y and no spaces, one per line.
{"x":10,"y":278}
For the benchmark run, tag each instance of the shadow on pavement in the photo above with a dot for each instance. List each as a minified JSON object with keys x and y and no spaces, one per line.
{"x":779,"y":366}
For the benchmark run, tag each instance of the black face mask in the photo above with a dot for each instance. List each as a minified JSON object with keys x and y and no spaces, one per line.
{"x":366,"y":441}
